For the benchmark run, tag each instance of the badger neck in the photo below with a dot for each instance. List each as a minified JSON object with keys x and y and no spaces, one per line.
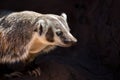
{"x":36,"y":45}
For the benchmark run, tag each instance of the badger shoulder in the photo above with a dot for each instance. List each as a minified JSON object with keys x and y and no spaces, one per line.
{"x":17,"y":36}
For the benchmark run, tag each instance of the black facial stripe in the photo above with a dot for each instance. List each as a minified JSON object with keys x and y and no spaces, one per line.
{"x":50,"y":35}
{"x":63,"y":22}
{"x":40,"y":30}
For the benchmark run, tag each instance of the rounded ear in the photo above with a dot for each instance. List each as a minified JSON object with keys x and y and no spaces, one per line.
{"x":42,"y":22}
{"x":64,"y":15}
{"x":40,"y":26}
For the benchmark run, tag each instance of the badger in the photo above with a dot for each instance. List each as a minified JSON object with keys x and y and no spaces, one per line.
{"x":25,"y":34}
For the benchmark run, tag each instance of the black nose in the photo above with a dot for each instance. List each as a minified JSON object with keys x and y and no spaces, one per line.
{"x":69,"y":42}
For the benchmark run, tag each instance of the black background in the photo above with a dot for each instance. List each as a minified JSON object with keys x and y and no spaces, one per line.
{"x":96,"y":25}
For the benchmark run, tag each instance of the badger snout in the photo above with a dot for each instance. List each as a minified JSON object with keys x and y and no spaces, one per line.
{"x":69,"y":42}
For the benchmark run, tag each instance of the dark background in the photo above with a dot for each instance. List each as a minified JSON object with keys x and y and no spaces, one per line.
{"x":96,"y":25}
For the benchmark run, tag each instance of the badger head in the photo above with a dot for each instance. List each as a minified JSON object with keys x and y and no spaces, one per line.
{"x":54,"y":30}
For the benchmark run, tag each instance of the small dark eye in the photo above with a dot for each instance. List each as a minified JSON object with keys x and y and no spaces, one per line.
{"x":59,"y":33}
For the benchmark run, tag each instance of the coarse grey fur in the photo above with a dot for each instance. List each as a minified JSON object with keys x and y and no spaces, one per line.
{"x":27,"y":33}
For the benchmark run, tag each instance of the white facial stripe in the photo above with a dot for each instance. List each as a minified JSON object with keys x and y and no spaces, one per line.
{"x":57,"y":20}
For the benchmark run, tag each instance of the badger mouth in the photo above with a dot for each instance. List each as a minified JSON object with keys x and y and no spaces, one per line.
{"x":65,"y":45}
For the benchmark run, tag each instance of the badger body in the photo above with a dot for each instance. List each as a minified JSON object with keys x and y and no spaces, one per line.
{"x":27,"y":33}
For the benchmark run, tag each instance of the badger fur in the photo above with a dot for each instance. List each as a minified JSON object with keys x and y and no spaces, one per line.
{"x":27,"y":33}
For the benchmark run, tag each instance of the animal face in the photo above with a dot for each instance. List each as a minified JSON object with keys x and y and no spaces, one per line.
{"x":54,"y":30}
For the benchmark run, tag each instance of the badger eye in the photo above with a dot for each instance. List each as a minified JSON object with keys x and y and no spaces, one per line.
{"x":59,"y":33}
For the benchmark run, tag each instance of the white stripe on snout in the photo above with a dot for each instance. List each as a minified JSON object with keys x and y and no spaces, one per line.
{"x":57,"y":20}
{"x":73,"y":38}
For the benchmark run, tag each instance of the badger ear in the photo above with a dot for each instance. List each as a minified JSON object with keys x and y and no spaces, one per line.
{"x":64,"y":15}
{"x":42,"y":22}
{"x":40,"y":26}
